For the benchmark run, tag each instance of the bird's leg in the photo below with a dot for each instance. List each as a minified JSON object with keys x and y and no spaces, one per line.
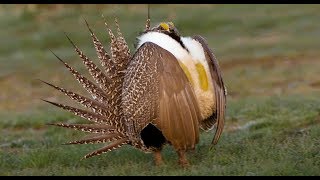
{"x":157,"y":157}
{"x":182,"y":158}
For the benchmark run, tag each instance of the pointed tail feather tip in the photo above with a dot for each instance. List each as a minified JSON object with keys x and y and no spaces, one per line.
{"x":44,"y":100}
{"x":43,"y":81}
{"x":70,"y":40}
{"x":37,"y":79}
{"x":49,"y":101}
{"x":57,"y":57}
{"x":49,"y":84}
{"x":85,"y":20}
{"x":87,"y":24}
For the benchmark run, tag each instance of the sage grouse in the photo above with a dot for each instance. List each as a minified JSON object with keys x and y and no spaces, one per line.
{"x":164,"y":92}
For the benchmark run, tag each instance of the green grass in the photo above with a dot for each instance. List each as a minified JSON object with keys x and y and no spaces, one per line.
{"x":269,"y":59}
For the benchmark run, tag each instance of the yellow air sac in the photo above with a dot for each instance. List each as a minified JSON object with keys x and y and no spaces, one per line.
{"x":203,"y":79}
{"x":186,"y":72}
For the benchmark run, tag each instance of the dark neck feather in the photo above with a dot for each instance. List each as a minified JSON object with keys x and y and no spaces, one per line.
{"x":178,"y":39}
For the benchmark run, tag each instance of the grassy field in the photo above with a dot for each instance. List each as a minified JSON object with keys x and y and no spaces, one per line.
{"x":269,"y":56}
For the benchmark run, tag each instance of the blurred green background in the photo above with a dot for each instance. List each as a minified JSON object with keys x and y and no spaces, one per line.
{"x":269,"y":57}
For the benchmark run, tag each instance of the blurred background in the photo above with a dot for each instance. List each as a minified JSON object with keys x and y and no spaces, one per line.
{"x":269,"y":57}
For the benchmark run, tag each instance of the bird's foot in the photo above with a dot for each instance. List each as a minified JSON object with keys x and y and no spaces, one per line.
{"x":158,"y":158}
{"x":182,"y":159}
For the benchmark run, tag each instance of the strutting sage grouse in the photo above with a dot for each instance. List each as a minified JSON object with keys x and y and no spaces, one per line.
{"x":163,"y":93}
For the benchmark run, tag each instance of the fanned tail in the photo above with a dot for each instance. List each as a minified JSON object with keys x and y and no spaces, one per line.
{"x":106,"y":112}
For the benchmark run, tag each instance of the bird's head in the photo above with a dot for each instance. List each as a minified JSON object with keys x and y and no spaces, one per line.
{"x":166,"y":28}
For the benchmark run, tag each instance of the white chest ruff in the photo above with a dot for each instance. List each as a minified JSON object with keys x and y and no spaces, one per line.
{"x":205,"y":98}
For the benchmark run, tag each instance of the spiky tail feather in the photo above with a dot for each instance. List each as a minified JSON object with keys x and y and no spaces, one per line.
{"x":95,"y":106}
{"x":91,"y":128}
{"x":96,"y":118}
{"x":97,"y":139}
{"x":114,"y":145}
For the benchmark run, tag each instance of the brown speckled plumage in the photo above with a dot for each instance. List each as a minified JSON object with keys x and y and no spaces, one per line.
{"x":142,"y":99}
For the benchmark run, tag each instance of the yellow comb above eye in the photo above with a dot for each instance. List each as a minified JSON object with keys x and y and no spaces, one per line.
{"x":165,"y":26}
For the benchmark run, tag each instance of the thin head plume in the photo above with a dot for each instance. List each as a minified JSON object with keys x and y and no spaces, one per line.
{"x":148,"y":19}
